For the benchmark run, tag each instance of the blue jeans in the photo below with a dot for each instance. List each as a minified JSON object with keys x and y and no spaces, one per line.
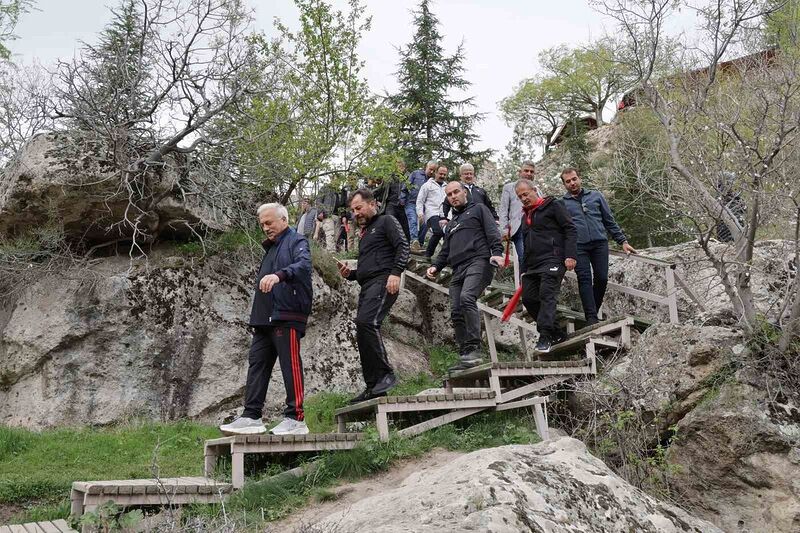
{"x":411,"y":215}
{"x":519,"y":244}
{"x":592,"y":273}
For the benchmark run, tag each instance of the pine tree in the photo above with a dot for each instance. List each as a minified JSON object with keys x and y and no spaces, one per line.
{"x":433,"y":123}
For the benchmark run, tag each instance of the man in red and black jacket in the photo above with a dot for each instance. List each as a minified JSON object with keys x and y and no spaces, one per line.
{"x":281,"y":305}
{"x":550,"y":250}
{"x":382,"y":257}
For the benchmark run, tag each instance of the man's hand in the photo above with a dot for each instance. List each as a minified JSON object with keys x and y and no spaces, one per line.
{"x":344,"y":270}
{"x":431,"y":272}
{"x":570,"y":263}
{"x":628,"y":249}
{"x":421,"y":219}
{"x":267,"y":282}
{"x":497,"y":260}
{"x":443,"y":222}
{"x":393,"y":284}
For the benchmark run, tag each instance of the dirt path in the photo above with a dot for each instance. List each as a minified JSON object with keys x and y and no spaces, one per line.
{"x":349,"y":493}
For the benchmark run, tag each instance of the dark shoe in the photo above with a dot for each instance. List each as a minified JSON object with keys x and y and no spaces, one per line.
{"x":384,"y":385}
{"x":470,"y":360}
{"x":591,"y":321}
{"x":560,"y":337}
{"x":543,"y":345}
{"x":363,"y":397}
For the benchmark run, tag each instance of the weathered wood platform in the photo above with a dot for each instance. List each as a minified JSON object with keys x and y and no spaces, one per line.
{"x":55,"y":526}
{"x":238,"y":446}
{"x":87,"y":495}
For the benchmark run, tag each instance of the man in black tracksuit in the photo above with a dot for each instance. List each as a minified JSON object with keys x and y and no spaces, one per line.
{"x":388,"y":194}
{"x":382,"y":257}
{"x":281,"y":306}
{"x":550,"y":250}
{"x":471,"y":245}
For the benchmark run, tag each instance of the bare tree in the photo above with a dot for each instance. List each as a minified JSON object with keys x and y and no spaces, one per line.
{"x":25,"y":93}
{"x":731,"y":130}
{"x":149,"y":90}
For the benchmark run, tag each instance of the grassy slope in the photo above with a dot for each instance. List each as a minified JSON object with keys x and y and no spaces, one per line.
{"x":37,"y":469}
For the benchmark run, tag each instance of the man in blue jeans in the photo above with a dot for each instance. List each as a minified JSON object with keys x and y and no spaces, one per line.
{"x":415,"y":181}
{"x":592,"y":218}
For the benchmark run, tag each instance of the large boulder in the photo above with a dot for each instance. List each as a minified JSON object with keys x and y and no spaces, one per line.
{"x":549,"y":487}
{"x":61,"y":179}
{"x":161,"y":339}
{"x":731,"y":439}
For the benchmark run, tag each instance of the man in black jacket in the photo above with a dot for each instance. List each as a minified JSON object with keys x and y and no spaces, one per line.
{"x":281,"y":306}
{"x":475,"y":194}
{"x":550,"y":250}
{"x":471,"y":246}
{"x":382,"y":257}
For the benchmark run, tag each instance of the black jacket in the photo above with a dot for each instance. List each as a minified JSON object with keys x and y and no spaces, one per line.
{"x":382,"y":250}
{"x":388,"y":194}
{"x":290,"y":300}
{"x":550,"y":236}
{"x":476,"y":195}
{"x":471,"y":234}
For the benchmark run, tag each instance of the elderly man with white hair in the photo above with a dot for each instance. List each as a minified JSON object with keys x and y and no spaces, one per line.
{"x":281,"y":306}
{"x":475,"y":194}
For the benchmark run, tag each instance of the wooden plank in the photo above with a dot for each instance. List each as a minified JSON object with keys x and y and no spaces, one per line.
{"x":32,"y":527}
{"x":641,"y":258}
{"x":439,"y":421}
{"x":531,"y":388}
{"x":5,"y":529}
{"x":672,"y":297}
{"x":63,"y":526}
{"x":50,"y":527}
{"x":522,"y":403}
{"x":17,"y":528}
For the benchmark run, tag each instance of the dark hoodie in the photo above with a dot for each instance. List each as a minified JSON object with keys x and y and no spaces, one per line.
{"x":550,"y":236}
{"x":472,"y":234}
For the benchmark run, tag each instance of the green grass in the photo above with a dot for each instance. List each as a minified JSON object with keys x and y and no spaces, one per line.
{"x":38,"y":468}
{"x":229,"y":241}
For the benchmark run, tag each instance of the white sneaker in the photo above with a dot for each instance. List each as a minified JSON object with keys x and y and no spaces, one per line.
{"x":244,"y":426}
{"x":290,"y":426}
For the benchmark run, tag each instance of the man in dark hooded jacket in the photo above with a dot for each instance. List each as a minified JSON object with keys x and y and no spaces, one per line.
{"x":472,"y":247}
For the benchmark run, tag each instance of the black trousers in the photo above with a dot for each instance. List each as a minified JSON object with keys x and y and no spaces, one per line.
{"x":540,"y":297}
{"x":468,"y":283}
{"x":437,"y":234}
{"x":592,"y":273}
{"x":398,"y":212}
{"x":269,"y":344}
{"x":374,"y":303}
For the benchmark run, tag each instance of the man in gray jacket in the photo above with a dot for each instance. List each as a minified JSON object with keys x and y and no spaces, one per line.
{"x":511,"y":209}
{"x":308,"y":219}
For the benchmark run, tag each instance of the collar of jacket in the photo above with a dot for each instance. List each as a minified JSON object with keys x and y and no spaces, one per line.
{"x":466,"y":206}
{"x":582,"y":192}
{"x":266,"y":243}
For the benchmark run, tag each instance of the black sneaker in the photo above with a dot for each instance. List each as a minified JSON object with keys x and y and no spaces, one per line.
{"x":470,"y":360}
{"x":384,"y":384}
{"x":363,"y":397}
{"x":543,"y":345}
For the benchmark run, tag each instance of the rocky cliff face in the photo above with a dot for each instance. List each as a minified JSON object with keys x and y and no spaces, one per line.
{"x":550,"y":487}
{"x":162,"y":339}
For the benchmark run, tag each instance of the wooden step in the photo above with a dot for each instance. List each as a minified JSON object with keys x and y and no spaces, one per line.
{"x":523,"y":369}
{"x":577,"y":340}
{"x":433,"y":402}
{"x":240,"y":445}
{"x":54,"y":526}
{"x":87,"y":495}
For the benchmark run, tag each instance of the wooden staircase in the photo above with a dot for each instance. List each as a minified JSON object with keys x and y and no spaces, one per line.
{"x":493,"y":386}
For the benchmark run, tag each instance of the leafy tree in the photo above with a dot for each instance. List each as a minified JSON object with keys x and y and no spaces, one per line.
{"x":434,"y":124}
{"x":10,"y":11}
{"x":782,"y":25}
{"x":321,"y":123}
{"x":584,"y":79}
{"x":535,"y":110}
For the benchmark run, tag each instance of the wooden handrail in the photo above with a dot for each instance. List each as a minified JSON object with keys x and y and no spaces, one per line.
{"x":642,"y":258}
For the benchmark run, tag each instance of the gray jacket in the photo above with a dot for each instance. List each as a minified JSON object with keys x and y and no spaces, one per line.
{"x":510,"y":209}
{"x":592,"y":217}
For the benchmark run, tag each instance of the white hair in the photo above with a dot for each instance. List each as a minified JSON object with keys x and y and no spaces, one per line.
{"x":278,"y":208}
{"x":465,"y":166}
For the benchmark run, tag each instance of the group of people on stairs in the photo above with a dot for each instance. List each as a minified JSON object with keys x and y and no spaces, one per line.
{"x":551,"y":235}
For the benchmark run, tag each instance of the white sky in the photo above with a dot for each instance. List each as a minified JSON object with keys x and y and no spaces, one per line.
{"x":501,"y":38}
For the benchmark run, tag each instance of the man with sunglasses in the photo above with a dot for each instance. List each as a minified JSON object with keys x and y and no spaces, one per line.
{"x":593,"y":220}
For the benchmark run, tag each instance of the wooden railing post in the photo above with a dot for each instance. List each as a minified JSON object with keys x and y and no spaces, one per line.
{"x":672,"y":296}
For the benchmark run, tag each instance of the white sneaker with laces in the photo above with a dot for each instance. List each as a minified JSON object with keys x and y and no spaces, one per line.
{"x":290,"y":426}
{"x":244,"y":426}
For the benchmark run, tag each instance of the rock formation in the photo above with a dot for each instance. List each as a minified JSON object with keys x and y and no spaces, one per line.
{"x":161,"y":339}
{"x":553,"y":486}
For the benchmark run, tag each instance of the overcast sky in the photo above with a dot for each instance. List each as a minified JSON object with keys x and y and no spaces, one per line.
{"x":501,"y":38}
